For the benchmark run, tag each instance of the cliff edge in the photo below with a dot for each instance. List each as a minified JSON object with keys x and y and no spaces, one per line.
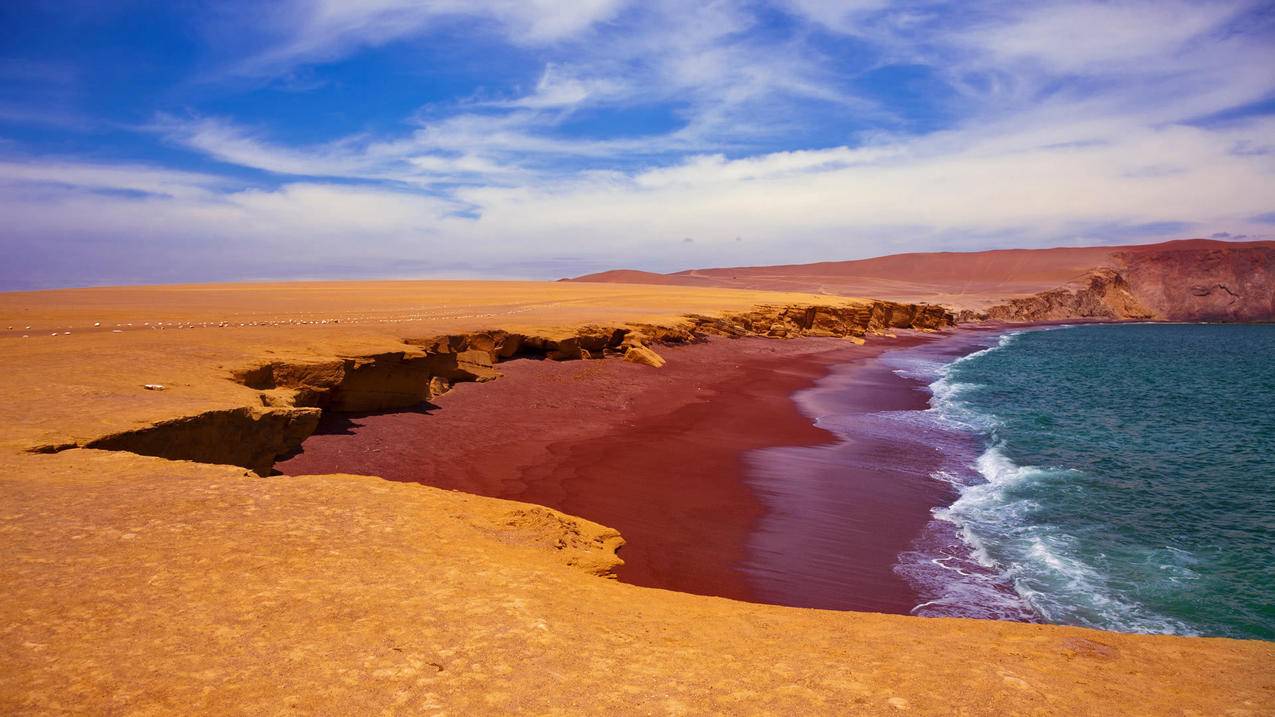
{"x":1187,"y":283}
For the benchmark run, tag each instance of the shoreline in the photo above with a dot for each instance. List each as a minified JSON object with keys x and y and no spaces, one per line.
{"x":656,"y":454}
{"x":670,"y":459}
{"x":842,"y":514}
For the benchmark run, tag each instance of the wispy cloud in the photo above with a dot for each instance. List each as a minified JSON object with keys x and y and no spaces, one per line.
{"x":1061,"y":122}
{"x":323,"y":30}
{"x":81,"y":176}
{"x":1100,"y":38}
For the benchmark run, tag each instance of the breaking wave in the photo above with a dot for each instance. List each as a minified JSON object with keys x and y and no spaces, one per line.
{"x":986,"y":555}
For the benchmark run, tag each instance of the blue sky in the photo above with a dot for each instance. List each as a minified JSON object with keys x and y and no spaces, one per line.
{"x":190,"y":141}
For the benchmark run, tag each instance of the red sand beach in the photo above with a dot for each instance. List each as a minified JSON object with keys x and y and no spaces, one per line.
{"x":839,"y":514}
{"x":671,"y":459}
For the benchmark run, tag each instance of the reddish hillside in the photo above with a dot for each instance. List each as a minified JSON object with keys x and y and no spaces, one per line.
{"x":1163,"y":280}
{"x":633,"y":276}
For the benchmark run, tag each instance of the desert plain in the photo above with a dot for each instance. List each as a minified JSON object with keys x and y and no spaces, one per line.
{"x":143,"y":584}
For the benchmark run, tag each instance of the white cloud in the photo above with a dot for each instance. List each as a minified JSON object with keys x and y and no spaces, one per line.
{"x":786,"y":200}
{"x":557,"y":89}
{"x":321,"y":30}
{"x":232,"y":144}
{"x":843,"y":16}
{"x":1101,"y":37}
{"x":108,"y":177}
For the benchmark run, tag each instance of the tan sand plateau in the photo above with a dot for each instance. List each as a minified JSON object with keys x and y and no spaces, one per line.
{"x":138,"y":585}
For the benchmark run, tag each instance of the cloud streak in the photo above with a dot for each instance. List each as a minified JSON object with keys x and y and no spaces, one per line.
{"x":323,"y":30}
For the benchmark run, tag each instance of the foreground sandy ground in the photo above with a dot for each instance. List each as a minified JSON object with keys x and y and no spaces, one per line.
{"x":138,"y":585}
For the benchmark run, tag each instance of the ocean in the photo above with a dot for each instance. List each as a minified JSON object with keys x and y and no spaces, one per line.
{"x":1112,"y":476}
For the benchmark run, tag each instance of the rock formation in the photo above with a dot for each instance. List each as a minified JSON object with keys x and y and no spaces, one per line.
{"x":251,"y":438}
{"x":1192,"y":283}
{"x":1103,"y":294}
{"x":1205,"y":283}
{"x":644,"y":356}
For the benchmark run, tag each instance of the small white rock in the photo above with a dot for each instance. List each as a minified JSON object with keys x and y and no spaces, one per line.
{"x":154,"y":386}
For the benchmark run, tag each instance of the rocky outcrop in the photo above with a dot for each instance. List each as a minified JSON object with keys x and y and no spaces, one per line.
{"x":581,"y":544}
{"x":840,"y":321}
{"x":645,"y":356}
{"x":1194,"y":283}
{"x":1103,"y":294}
{"x":293,"y":394}
{"x":1206,"y":284}
{"x":350,"y":385}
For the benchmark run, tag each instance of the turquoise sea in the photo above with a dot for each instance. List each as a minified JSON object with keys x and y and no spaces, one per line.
{"x":1112,"y":476}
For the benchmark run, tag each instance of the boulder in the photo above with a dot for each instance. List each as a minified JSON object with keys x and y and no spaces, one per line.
{"x":644,"y":356}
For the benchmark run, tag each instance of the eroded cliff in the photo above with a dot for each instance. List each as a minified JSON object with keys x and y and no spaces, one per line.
{"x":1102,"y":294}
{"x":1204,"y":284}
{"x":1189,"y":283}
{"x":292,"y":394}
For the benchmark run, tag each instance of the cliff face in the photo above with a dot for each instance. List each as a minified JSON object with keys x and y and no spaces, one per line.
{"x":1178,"y":284}
{"x":1204,"y":284}
{"x":1104,"y":294}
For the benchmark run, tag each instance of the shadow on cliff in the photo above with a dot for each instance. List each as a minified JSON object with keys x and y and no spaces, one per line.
{"x":346,"y":424}
{"x":343,"y":424}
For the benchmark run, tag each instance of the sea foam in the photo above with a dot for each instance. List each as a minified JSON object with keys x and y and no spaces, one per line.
{"x":988,"y":554}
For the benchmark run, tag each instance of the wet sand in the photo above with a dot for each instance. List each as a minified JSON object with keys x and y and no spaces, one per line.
{"x":719,"y":480}
{"x":839,"y":514}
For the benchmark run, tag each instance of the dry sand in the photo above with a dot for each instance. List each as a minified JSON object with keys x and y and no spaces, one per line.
{"x":143,"y":586}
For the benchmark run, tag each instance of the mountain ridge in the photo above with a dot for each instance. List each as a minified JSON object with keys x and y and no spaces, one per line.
{"x":1178,"y":280}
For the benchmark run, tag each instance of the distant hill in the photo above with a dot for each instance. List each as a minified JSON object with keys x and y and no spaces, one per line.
{"x":1188,"y":279}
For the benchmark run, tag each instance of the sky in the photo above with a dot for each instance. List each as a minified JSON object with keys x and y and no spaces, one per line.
{"x":186,"y":141}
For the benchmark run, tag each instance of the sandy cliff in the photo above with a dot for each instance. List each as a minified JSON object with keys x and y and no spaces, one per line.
{"x":293,"y":392}
{"x":1188,"y":280}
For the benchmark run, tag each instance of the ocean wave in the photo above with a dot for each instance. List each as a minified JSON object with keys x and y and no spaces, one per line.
{"x":986,"y":554}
